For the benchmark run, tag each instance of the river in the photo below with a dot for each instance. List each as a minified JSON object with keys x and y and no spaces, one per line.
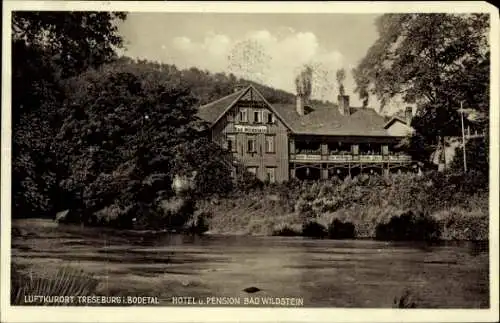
{"x":323,"y":273}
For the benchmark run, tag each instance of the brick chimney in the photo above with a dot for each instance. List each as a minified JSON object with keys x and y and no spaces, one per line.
{"x":299,"y":104}
{"x":343,"y":102}
{"x":408,"y":115}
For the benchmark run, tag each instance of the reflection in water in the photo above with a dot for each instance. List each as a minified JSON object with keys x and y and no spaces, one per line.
{"x":325,"y":273}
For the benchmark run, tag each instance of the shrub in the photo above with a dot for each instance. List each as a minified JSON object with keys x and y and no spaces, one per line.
{"x":341,"y":230}
{"x":198,"y":224}
{"x":172,"y":214}
{"x":460,"y":224}
{"x":409,"y":226}
{"x":314,"y":230}
{"x":286,"y":230}
{"x":370,"y":205}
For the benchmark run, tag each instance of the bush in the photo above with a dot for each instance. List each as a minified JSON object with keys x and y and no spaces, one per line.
{"x":171,"y":214}
{"x":314,"y":230}
{"x":368,"y":205}
{"x":286,"y":230}
{"x":198,"y":224}
{"x":409,"y":226}
{"x":341,"y":230}
{"x":460,"y":224}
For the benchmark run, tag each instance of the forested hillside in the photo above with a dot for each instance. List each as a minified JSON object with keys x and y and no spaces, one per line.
{"x":204,"y":86}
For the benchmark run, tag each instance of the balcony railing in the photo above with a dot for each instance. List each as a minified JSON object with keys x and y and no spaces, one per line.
{"x":399,"y":158}
{"x":370,"y":158}
{"x":340,"y":157}
{"x":308,"y":156}
{"x":350,"y":157}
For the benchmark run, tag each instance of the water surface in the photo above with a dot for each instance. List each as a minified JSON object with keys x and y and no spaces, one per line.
{"x":324,"y":273}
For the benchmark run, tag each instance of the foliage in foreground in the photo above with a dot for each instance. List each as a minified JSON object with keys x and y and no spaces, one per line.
{"x":67,"y":281}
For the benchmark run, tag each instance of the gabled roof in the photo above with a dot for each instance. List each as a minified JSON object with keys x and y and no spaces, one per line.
{"x":322,"y":119}
{"x":212,"y":111}
{"x":394,"y":119}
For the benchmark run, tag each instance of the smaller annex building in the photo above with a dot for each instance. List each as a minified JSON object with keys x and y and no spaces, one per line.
{"x":277,"y":142}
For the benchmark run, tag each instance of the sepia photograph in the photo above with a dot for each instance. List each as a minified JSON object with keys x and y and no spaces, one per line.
{"x":256,"y":158}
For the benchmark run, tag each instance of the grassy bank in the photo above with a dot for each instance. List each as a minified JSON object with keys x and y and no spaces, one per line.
{"x":401,"y":207}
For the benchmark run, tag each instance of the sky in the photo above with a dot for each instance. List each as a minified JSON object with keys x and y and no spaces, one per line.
{"x":268,"y":48}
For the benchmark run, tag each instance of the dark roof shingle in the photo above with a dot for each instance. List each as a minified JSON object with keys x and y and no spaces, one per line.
{"x":210,"y":112}
{"x":327,"y":120}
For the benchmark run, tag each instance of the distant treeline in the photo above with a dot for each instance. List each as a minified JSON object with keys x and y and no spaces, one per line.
{"x":204,"y":85}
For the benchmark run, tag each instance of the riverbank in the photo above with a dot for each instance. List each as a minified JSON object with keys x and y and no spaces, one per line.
{"x":404,"y":207}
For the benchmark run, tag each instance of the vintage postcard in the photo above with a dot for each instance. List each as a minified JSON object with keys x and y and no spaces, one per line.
{"x":249,"y":161}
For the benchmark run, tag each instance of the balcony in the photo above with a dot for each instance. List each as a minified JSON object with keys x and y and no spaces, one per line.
{"x":315,"y":156}
{"x":350,"y":158}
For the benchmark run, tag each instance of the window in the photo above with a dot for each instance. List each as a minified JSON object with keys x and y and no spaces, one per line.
{"x":257,"y":116}
{"x":252,"y":170}
{"x":230,"y":116}
{"x":243,"y":115}
{"x":251,"y":145}
{"x":231,"y":143}
{"x":270,"y":118}
{"x":270,"y":144}
{"x":271,"y":174}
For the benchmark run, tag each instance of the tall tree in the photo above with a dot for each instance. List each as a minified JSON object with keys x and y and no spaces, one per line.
{"x":434,"y":60}
{"x":46,"y":48}
{"x":76,"y":40}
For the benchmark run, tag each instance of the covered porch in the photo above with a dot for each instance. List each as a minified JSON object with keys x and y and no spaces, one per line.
{"x":324,"y":157}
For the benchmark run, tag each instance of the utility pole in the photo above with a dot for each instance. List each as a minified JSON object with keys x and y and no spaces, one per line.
{"x":463,"y":136}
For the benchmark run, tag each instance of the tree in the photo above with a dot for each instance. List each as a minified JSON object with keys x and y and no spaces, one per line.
{"x":46,"y":48}
{"x":75,"y":40}
{"x":434,"y":60}
{"x":362,"y":86}
{"x":340,"y":75}
{"x":129,"y":133}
